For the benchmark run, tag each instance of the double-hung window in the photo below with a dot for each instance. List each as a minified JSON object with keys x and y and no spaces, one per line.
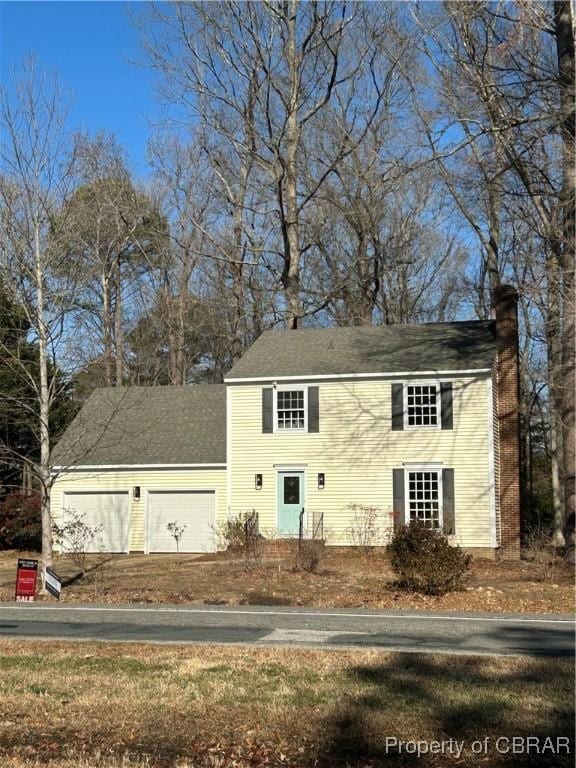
{"x":424,"y":496}
{"x":422,"y":405}
{"x":290,"y":409}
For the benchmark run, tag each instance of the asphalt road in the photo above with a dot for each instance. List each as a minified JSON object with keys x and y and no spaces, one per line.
{"x":522,"y":634}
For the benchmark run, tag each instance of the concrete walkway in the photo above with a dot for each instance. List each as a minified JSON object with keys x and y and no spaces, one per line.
{"x":516,"y":634}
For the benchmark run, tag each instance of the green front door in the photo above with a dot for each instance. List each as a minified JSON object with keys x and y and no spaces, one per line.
{"x":290,"y":502}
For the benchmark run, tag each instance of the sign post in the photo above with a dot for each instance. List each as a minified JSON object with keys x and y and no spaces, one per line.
{"x":53,"y":583}
{"x":26,"y":580}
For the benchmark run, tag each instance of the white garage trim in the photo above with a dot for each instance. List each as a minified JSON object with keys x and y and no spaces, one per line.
{"x":100,"y":492}
{"x":151,"y":491}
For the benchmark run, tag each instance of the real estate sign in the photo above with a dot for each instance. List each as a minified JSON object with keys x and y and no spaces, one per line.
{"x":53,"y":583}
{"x":26,"y":580}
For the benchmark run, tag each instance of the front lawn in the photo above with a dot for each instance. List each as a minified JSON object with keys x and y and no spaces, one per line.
{"x":90,"y":705}
{"x":345,"y":579}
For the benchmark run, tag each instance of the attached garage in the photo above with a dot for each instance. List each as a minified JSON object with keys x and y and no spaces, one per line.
{"x":106,"y":510}
{"x":138,"y":458}
{"x":195,"y":511}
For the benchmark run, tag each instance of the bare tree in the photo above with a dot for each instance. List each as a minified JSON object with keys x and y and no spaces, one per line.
{"x":262,"y":77}
{"x":180,"y":183}
{"x":564,"y":34}
{"x":513,"y":66}
{"x":35,"y":178}
{"x":113,"y":229}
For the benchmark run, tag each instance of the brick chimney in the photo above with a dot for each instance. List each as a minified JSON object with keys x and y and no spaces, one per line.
{"x":507,"y":383}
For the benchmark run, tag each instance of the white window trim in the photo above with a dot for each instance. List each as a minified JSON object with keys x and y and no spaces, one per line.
{"x":290,"y":467}
{"x":290,"y":388}
{"x":435,"y":467}
{"x":416,"y":427}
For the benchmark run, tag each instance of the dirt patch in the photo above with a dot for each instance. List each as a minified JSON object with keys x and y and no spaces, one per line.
{"x":345,"y":579}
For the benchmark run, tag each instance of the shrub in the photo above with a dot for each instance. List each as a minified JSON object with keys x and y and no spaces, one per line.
{"x":302,"y":554}
{"x":308,"y":555}
{"x":541,"y":551}
{"x":425,"y":561}
{"x":239,"y":534}
{"x":75,"y":536}
{"x":21,"y":522}
{"x":176,"y":531}
{"x":231,"y":533}
{"x":364,"y":530}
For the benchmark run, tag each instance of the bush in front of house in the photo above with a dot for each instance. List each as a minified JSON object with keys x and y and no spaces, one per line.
{"x":230,"y":534}
{"x":75,"y":537}
{"x":237,"y":533}
{"x":365,"y":529}
{"x":308,"y":555}
{"x":425,"y":562}
{"x":21,"y":522}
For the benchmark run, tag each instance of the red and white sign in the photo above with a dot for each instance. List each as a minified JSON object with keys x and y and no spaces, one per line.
{"x":26,"y":580}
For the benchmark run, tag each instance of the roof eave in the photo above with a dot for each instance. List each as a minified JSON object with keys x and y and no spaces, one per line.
{"x":371,"y":375}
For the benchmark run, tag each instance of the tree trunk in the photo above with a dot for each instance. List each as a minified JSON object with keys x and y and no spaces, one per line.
{"x":493,"y":243}
{"x":118,"y":332}
{"x":173,"y":341}
{"x":556,"y":460}
{"x":237,"y":268}
{"x":567,"y":392}
{"x":179,"y":376}
{"x":554,"y":370}
{"x":237,"y":345}
{"x":292,"y":268}
{"x":368,"y":283}
{"x":566,"y":62}
{"x":177,"y":316}
{"x":43,"y":469}
{"x":107,"y":326}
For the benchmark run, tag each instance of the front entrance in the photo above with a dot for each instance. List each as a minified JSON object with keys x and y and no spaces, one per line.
{"x":290,"y":502}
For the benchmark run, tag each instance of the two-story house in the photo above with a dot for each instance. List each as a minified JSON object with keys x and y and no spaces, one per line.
{"x":420,"y":421}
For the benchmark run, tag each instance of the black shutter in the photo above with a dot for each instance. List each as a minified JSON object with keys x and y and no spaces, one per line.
{"x":268,"y":409}
{"x":398,"y":498}
{"x":448,"y":502}
{"x":397,"y":406}
{"x":446,"y":404}
{"x":313,"y":410}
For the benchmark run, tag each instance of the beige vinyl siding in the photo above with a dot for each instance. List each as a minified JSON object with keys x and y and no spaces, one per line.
{"x":149,"y":479}
{"x":357,"y":451}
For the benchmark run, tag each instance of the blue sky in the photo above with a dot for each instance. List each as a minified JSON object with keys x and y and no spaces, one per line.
{"x":91,"y":45}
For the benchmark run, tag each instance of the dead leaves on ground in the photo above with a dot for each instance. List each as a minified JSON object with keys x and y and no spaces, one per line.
{"x":346,"y":580}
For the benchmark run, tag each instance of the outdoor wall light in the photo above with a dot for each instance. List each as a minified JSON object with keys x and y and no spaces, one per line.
{"x":258,"y":482}
{"x":136,"y":493}
{"x":321,"y":480}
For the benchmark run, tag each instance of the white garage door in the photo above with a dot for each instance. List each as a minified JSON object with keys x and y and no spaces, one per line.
{"x":106,"y":511}
{"x":192,"y":510}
